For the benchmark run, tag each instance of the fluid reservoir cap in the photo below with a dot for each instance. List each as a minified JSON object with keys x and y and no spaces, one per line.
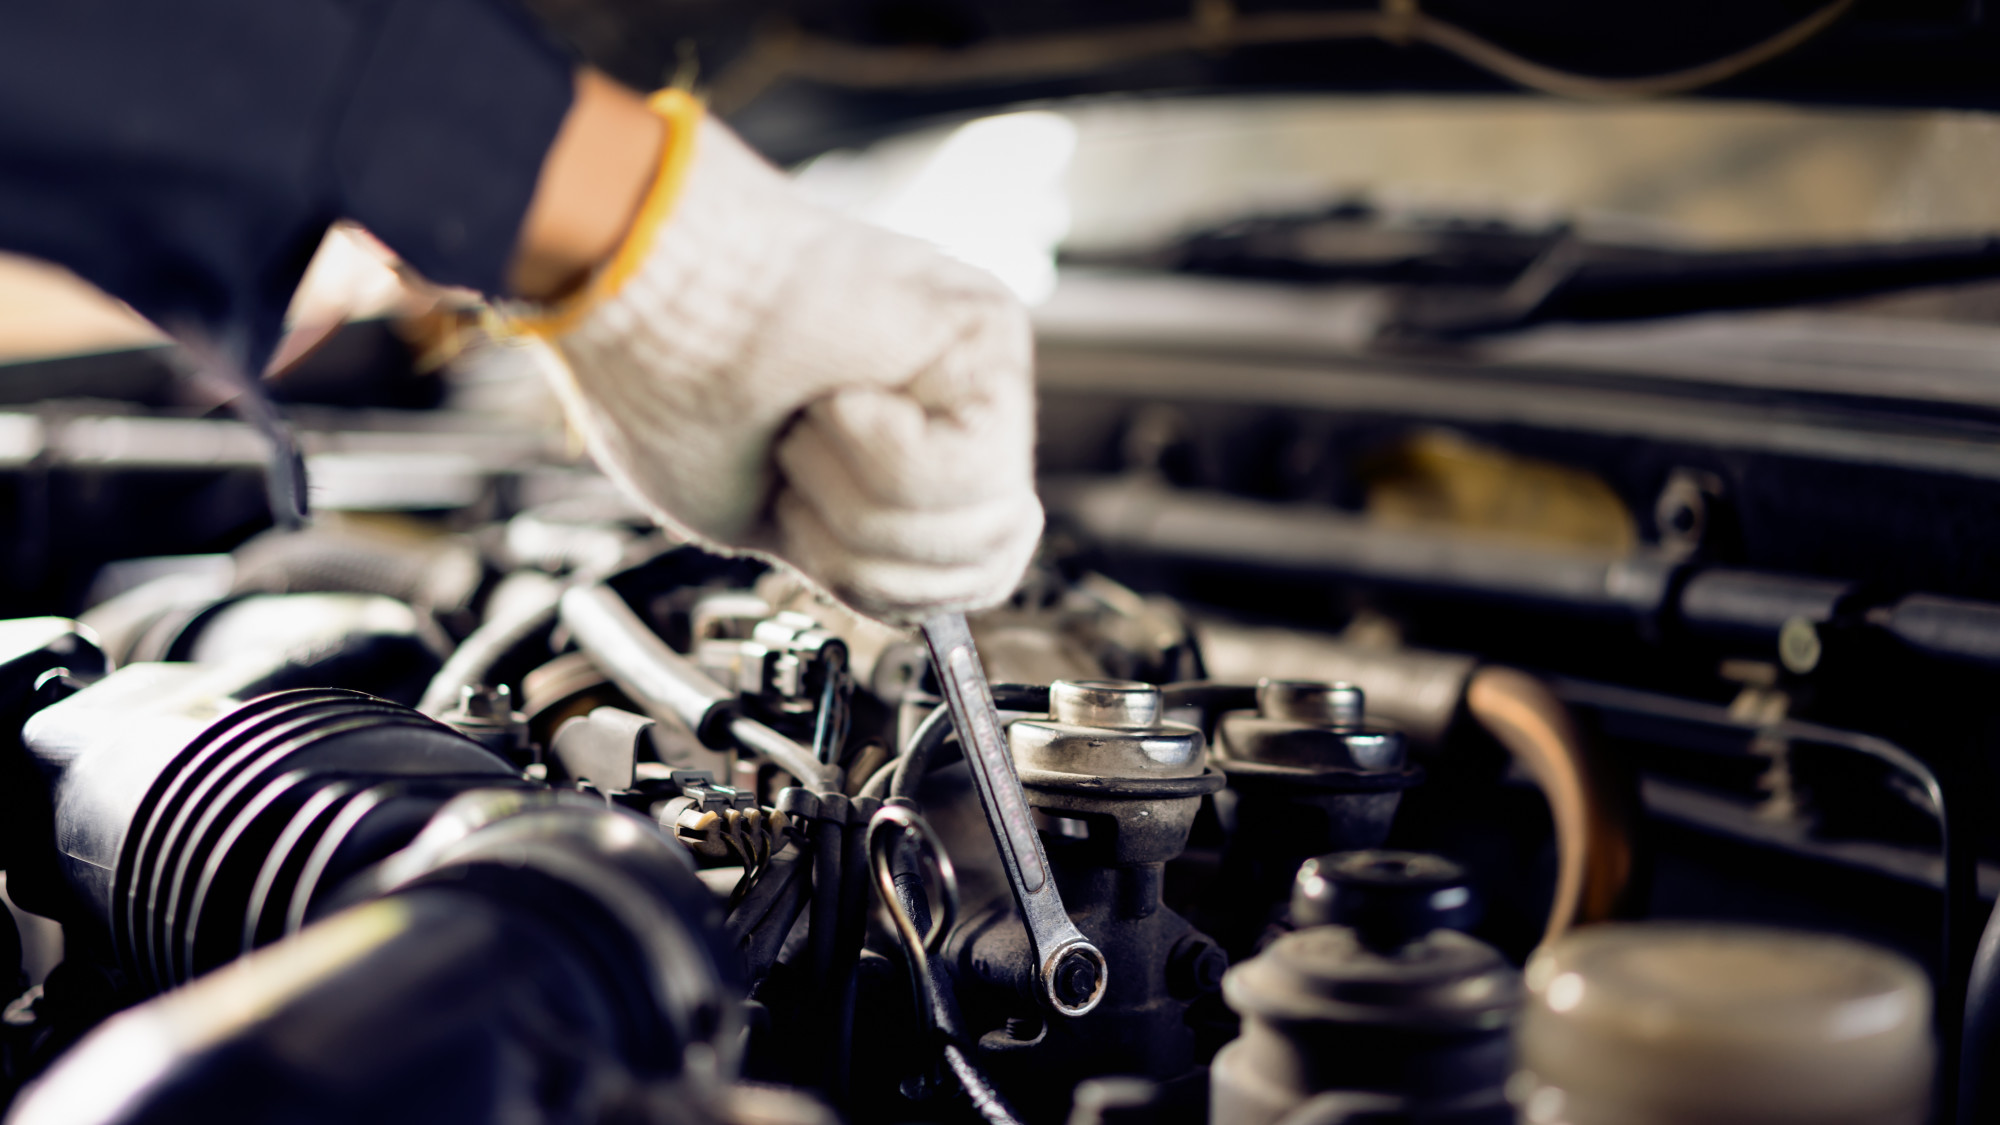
{"x":1445,"y":981}
{"x":1388,"y":898}
{"x":1673,"y":1022}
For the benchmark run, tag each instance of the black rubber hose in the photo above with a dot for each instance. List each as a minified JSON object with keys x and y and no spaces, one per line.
{"x":823,"y":933}
{"x":1979,"y":1099}
{"x":917,"y":758}
{"x":928,"y":743}
{"x":1022,"y":697}
{"x":1213,"y":698}
{"x":908,"y":876}
{"x":852,"y":934}
{"x":877,"y":785}
{"x":761,"y":922}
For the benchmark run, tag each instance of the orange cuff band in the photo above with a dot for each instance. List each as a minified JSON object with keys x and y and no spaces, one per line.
{"x":683,"y":113}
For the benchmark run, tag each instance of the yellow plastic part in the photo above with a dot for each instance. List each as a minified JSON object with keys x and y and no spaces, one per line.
{"x":1438,"y":479}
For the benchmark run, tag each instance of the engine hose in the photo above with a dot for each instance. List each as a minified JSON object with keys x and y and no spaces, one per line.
{"x":926,"y":750}
{"x":823,"y":932}
{"x":1212,"y":698}
{"x":440,"y":575}
{"x":760,"y":923}
{"x":488,"y":645}
{"x":1978,"y":1098}
{"x":907,"y":874}
{"x":1594,"y":805}
{"x":877,"y":785}
{"x":851,"y":934}
{"x":916,"y":760}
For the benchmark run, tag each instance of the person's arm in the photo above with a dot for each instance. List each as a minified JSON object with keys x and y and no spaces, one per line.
{"x":188,"y":157}
{"x":761,"y":373}
{"x":598,"y":170}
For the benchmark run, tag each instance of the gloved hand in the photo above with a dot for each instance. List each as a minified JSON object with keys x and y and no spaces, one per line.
{"x":767,"y":375}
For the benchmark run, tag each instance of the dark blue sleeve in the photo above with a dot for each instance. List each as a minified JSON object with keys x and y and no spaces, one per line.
{"x":187,"y":155}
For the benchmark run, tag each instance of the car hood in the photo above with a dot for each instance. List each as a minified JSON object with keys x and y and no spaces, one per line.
{"x":801,"y":77}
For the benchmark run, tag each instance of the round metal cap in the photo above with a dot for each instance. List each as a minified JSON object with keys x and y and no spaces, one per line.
{"x":1116,"y":704}
{"x":1339,"y":705}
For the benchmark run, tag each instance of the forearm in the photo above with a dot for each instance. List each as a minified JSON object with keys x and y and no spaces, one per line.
{"x":597,"y":172}
{"x":187,"y":157}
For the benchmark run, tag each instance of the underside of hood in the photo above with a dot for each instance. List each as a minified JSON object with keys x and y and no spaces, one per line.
{"x":798,"y":77}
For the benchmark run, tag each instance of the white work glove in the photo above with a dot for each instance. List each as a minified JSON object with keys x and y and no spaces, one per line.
{"x":776,"y":378}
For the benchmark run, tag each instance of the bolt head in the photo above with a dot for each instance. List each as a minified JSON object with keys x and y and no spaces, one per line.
{"x":1076,"y":980}
{"x":1799,"y":646}
{"x":481,"y":702}
{"x":1196,"y":966}
{"x":1209,"y":968}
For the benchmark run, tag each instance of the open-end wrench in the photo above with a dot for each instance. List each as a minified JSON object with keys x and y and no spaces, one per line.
{"x":1069,"y":970}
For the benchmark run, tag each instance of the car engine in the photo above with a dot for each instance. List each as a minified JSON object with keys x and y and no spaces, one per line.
{"x":555,"y":819}
{"x":1515,"y":638}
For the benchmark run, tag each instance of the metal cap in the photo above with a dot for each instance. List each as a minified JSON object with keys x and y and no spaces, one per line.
{"x":1388,"y":898}
{"x":1310,"y":724}
{"x":1339,"y":705}
{"x":1443,"y":981}
{"x":1680,"y":1022}
{"x":1117,"y":704}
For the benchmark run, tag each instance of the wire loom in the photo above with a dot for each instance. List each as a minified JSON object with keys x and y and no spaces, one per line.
{"x":788,"y":53}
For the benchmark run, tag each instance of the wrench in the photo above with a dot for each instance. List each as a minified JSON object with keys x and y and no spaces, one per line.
{"x":1069,"y":970}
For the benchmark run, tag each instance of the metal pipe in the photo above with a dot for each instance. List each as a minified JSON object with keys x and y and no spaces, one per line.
{"x":662,"y":682}
{"x":1131,"y":515}
{"x":783,"y":753}
{"x":473,"y":661}
{"x":1967,"y":1046}
{"x":668,"y":686}
{"x":1736,"y":607}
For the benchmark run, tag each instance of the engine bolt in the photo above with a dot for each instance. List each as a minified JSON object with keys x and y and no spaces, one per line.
{"x":1076,"y":980}
{"x":1196,"y":966}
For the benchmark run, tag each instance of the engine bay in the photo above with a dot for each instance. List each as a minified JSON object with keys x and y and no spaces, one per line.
{"x":549,"y":817}
{"x":1481,"y":665}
